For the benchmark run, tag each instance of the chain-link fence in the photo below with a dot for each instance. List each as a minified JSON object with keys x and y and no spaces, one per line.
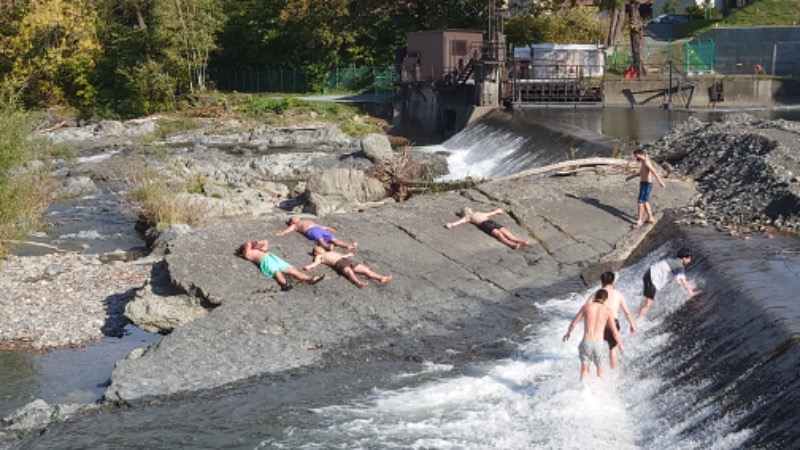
{"x":693,"y":58}
{"x":345,"y":79}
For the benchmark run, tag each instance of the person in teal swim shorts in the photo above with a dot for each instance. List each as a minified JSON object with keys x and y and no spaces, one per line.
{"x":272,"y":265}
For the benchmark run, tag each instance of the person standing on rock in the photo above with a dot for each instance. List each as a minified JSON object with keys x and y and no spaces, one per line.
{"x":321,"y":235}
{"x":488,"y":226}
{"x":615,"y":301}
{"x":345,"y":266}
{"x":646,"y":172}
{"x":597,"y":318}
{"x":273,"y":266}
{"x":661,"y":273}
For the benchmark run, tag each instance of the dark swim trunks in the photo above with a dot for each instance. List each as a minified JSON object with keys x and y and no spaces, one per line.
{"x":343,"y":264}
{"x":317,"y":233}
{"x":608,"y":336}
{"x":649,"y":287}
{"x":487,"y":226}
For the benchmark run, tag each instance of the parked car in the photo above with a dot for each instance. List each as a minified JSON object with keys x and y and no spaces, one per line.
{"x":669,"y":18}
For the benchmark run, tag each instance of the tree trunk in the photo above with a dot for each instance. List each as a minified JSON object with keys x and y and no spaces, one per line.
{"x":616,"y":18}
{"x":637,"y":39}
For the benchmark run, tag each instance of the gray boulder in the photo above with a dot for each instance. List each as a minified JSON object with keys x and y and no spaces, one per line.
{"x":37,"y":415}
{"x":336,"y":189}
{"x":162,"y":314}
{"x":376,"y":147}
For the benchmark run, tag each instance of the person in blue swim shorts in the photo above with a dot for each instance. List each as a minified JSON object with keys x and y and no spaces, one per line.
{"x":272,"y":265}
{"x":646,"y":172}
{"x":321,"y":235}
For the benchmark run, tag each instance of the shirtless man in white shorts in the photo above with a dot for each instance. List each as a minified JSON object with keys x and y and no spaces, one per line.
{"x":597,"y":317}
{"x":615,"y":301}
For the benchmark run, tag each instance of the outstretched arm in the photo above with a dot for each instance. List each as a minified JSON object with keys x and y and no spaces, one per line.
{"x":288,"y":230}
{"x":628,"y":314}
{"x":685,"y":283}
{"x":458,"y":222}
{"x":317,"y":261}
{"x":496,"y":212}
{"x":573,"y":324}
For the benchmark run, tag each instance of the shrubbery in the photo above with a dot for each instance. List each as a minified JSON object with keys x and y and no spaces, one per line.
{"x":26,"y":187}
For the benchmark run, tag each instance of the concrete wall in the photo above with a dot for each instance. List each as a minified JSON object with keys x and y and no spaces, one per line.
{"x":738,"y":50}
{"x":738,"y":92}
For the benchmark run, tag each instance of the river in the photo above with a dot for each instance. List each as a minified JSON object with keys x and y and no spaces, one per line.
{"x":710,"y":372}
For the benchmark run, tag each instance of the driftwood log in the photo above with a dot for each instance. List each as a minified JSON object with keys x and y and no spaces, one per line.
{"x":571,"y":166}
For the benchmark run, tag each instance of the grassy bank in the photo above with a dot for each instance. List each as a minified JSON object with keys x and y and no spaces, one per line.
{"x":26,"y":187}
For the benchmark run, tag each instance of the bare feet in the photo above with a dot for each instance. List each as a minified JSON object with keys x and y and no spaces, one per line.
{"x":386,"y":279}
{"x":523,"y":244}
{"x":636,"y":225}
{"x":361,"y":284}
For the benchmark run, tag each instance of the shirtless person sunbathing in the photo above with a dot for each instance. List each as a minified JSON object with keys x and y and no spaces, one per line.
{"x":488,"y":226}
{"x":345,"y":266}
{"x":273,"y":266}
{"x":321,"y":235}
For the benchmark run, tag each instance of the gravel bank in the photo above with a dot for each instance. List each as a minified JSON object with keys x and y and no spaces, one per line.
{"x":747,"y":171}
{"x":65,"y":299}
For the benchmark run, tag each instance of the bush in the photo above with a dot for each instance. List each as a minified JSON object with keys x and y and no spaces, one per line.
{"x":26,"y":188}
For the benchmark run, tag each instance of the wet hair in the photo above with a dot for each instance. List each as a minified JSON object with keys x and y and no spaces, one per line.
{"x":607,"y":278}
{"x":291,"y":220}
{"x":601,"y":295}
{"x":638,"y":151}
{"x":464,"y":212}
{"x":684,"y":253}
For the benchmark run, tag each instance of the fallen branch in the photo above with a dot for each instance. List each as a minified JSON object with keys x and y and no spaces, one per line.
{"x":34,"y":244}
{"x":54,"y":127}
{"x":569,"y":165}
{"x":367,"y":205}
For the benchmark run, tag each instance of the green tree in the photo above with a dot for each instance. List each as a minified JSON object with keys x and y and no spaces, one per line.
{"x":577,"y":25}
{"x":50,"y":51}
{"x":188,"y":30}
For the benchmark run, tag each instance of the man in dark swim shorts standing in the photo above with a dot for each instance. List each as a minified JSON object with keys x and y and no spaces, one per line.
{"x":321,"y":235}
{"x":345,"y":266}
{"x":488,"y":226}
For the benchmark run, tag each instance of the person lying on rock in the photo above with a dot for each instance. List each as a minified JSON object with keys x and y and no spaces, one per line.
{"x":273,"y":266}
{"x":321,"y":235}
{"x":488,"y":226}
{"x":345,"y":266}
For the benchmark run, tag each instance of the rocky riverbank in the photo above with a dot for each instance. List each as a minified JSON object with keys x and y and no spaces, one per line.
{"x":455,"y":291}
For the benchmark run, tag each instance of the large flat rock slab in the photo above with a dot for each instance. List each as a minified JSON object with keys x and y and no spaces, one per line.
{"x":452,"y":289}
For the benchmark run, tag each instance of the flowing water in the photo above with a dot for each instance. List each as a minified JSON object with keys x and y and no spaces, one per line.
{"x":715,"y":372}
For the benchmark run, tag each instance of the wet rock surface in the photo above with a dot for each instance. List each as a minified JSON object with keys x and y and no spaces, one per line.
{"x":453,"y":292}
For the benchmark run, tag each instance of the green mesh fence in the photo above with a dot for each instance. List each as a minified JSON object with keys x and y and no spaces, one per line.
{"x":348,"y":79}
{"x":699,"y":56}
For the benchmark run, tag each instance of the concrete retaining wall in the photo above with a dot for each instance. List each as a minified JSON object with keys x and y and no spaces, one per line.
{"x":738,"y":50}
{"x":737,"y":92}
